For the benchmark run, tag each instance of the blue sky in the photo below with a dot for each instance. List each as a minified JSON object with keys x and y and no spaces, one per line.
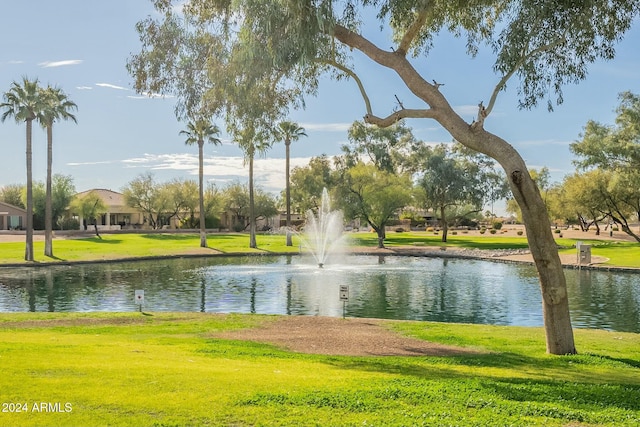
{"x":82,"y":47}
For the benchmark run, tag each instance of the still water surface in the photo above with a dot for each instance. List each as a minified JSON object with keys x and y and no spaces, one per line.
{"x":437,"y":289}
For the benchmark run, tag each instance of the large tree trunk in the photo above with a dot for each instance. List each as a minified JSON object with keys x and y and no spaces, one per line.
{"x":557,"y":321}
{"x":28,"y":248}
{"x":445,"y":227}
{"x":48,"y":210}
{"x":203,"y":233}
{"x":381,"y":236}
{"x":553,"y":286}
{"x":287,"y":145}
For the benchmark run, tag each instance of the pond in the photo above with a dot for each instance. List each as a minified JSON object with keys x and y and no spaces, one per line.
{"x":412,"y":288}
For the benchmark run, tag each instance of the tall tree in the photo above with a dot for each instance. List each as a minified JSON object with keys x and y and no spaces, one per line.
{"x":451,"y":181}
{"x":281,"y":50}
{"x":374,"y":195}
{"x":289,"y":132}
{"x":90,"y":207}
{"x":24,"y":103}
{"x":57,"y":106}
{"x":145,"y":193}
{"x":198,"y":131}
{"x":252,"y":142}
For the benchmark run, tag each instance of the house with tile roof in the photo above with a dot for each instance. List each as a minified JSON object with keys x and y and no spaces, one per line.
{"x":118,"y":216}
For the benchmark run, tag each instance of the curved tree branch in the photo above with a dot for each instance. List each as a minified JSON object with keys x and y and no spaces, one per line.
{"x":354,"y":76}
{"x":414,"y":81}
{"x":399,"y":115}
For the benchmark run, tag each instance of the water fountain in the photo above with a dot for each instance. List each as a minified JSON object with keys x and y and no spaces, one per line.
{"x":323,"y":232}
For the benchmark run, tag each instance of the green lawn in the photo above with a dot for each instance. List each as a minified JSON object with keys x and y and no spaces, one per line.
{"x":169,"y":370}
{"x":114,"y":246}
{"x":620,"y":253}
{"x":118,"y":246}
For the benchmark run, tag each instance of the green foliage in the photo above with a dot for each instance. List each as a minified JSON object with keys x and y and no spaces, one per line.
{"x":307,"y":183}
{"x":89,"y":206}
{"x":610,"y":155}
{"x":610,"y":147}
{"x":373,"y":195}
{"x":12,"y":194}
{"x":393,"y":149}
{"x":63,"y":192}
{"x":497,"y":225}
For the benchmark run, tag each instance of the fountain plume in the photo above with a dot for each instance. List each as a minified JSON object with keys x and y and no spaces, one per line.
{"x":323,"y":232}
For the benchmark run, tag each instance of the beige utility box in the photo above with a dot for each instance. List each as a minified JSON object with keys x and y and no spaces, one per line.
{"x":584,"y":254}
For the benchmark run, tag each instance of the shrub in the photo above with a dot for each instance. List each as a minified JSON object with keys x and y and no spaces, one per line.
{"x":520,"y":232}
{"x":484,"y":230}
{"x":69,"y":224}
{"x":493,"y":231}
{"x":557,"y":231}
{"x":399,"y":230}
{"x":497,"y":225}
{"x":454,"y":233}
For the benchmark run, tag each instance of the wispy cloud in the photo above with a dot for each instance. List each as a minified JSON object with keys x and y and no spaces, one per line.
{"x":84,"y":87}
{"x":269,"y":173}
{"x":50,"y":64}
{"x":15,"y":62}
{"x":327,"y":127}
{"x":110,"y":86}
{"x":106,"y":162}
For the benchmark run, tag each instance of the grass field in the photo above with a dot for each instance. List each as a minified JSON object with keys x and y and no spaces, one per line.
{"x":169,"y":370}
{"x":136,"y":369}
{"x":118,"y":246}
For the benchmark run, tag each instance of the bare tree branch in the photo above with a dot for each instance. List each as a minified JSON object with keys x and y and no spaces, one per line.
{"x":354,"y":76}
{"x":399,"y":115}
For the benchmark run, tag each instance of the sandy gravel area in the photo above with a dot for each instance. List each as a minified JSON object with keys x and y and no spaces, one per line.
{"x":341,"y":337}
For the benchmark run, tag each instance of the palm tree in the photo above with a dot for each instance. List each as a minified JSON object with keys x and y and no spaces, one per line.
{"x":289,"y":132}
{"x":56,"y":106}
{"x":251,"y":143}
{"x":197,"y":132}
{"x":24,"y":104}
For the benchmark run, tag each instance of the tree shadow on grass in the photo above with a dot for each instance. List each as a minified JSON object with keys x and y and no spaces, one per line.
{"x":166,"y":237}
{"x":545,"y":391}
{"x":564,"y":367}
{"x":105,"y":242}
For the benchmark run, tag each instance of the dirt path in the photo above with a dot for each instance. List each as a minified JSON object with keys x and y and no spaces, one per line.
{"x":341,"y":337}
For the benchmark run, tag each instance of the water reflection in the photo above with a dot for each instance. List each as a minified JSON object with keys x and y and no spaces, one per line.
{"x":436,"y":289}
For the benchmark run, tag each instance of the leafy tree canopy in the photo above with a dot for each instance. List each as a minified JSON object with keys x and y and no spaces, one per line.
{"x":609,"y":146}
{"x":228,"y":55}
